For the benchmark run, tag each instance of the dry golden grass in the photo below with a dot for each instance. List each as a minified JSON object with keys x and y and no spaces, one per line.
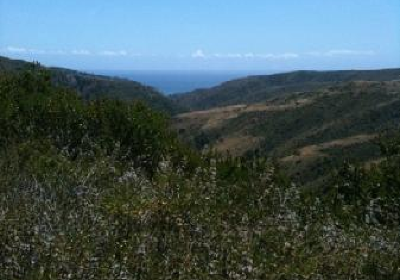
{"x":316,"y":150}
{"x":214,"y":118}
{"x":237,"y":145}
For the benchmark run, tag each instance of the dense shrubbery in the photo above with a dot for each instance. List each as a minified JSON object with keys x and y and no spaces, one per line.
{"x":31,"y":109}
{"x":102,"y":190}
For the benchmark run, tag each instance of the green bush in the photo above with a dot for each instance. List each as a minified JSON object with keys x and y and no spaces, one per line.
{"x":103,"y":190}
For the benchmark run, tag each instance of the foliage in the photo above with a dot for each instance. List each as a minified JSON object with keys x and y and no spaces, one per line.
{"x":319,"y":117}
{"x":91,"y":86}
{"x":32,"y":109}
{"x":103,"y":190}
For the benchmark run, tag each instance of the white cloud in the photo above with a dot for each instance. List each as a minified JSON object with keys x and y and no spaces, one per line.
{"x":229,"y":55}
{"x":135,"y":54}
{"x":198,"y":54}
{"x":11,"y":49}
{"x":58,"y":52}
{"x":279,"y":56}
{"x":20,"y":50}
{"x":249,"y":55}
{"x":74,"y":52}
{"x":113,"y":53}
{"x":288,"y":55}
{"x":81,"y":52}
{"x":342,"y":52}
{"x":350,"y":52}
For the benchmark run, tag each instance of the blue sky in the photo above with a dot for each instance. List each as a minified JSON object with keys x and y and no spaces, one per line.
{"x":206,"y":34}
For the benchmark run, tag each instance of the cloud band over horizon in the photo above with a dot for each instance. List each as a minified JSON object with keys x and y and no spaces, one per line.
{"x":198,"y":54}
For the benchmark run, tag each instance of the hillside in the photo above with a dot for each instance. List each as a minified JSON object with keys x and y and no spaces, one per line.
{"x":106,"y":186}
{"x":310,"y":132}
{"x":104,"y":190}
{"x":255,"y":89}
{"x":97,"y":86}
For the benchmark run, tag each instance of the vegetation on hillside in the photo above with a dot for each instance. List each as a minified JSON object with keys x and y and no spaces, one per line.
{"x":95,"y":86}
{"x":102,"y":189}
{"x":255,"y":89}
{"x":310,"y":132}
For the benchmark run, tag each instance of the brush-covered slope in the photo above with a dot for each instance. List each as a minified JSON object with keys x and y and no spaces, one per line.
{"x":102,"y":189}
{"x":97,"y":86}
{"x":260,"y":88}
{"x":310,"y":132}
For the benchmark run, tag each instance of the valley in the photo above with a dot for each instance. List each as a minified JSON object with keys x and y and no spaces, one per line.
{"x":310,"y":122}
{"x":200,"y":140}
{"x":90,"y":160}
{"x":303,"y":130}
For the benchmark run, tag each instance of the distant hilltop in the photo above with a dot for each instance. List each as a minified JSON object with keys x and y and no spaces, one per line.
{"x":254,"y":89}
{"x":97,"y":86}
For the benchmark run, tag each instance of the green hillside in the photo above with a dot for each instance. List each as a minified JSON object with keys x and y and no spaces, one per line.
{"x":261,"y":88}
{"x":97,"y":86}
{"x":310,"y":133}
{"x":102,"y":189}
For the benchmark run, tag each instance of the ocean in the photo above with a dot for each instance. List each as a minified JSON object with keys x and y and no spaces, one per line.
{"x":173,"y":81}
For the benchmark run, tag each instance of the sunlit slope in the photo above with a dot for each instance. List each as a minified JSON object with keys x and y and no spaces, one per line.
{"x":303,"y":130}
{"x":255,"y":89}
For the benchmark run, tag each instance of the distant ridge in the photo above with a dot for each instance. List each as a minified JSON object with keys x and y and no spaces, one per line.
{"x":255,"y":89}
{"x":97,"y":86}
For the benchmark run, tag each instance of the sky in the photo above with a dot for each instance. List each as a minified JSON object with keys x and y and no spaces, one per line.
{"x":203,"y":34}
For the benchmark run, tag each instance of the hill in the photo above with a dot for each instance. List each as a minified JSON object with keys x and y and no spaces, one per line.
{"x":102,"y":189}
{"x":255,"y":89}
{"x":97,"y":86}
{"x":309,"y":132}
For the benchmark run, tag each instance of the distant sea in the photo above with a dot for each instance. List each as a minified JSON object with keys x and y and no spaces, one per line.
{"x":173,"y":81}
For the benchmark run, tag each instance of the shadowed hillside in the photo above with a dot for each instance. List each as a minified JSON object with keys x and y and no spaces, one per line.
{"x":97,"y":86}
